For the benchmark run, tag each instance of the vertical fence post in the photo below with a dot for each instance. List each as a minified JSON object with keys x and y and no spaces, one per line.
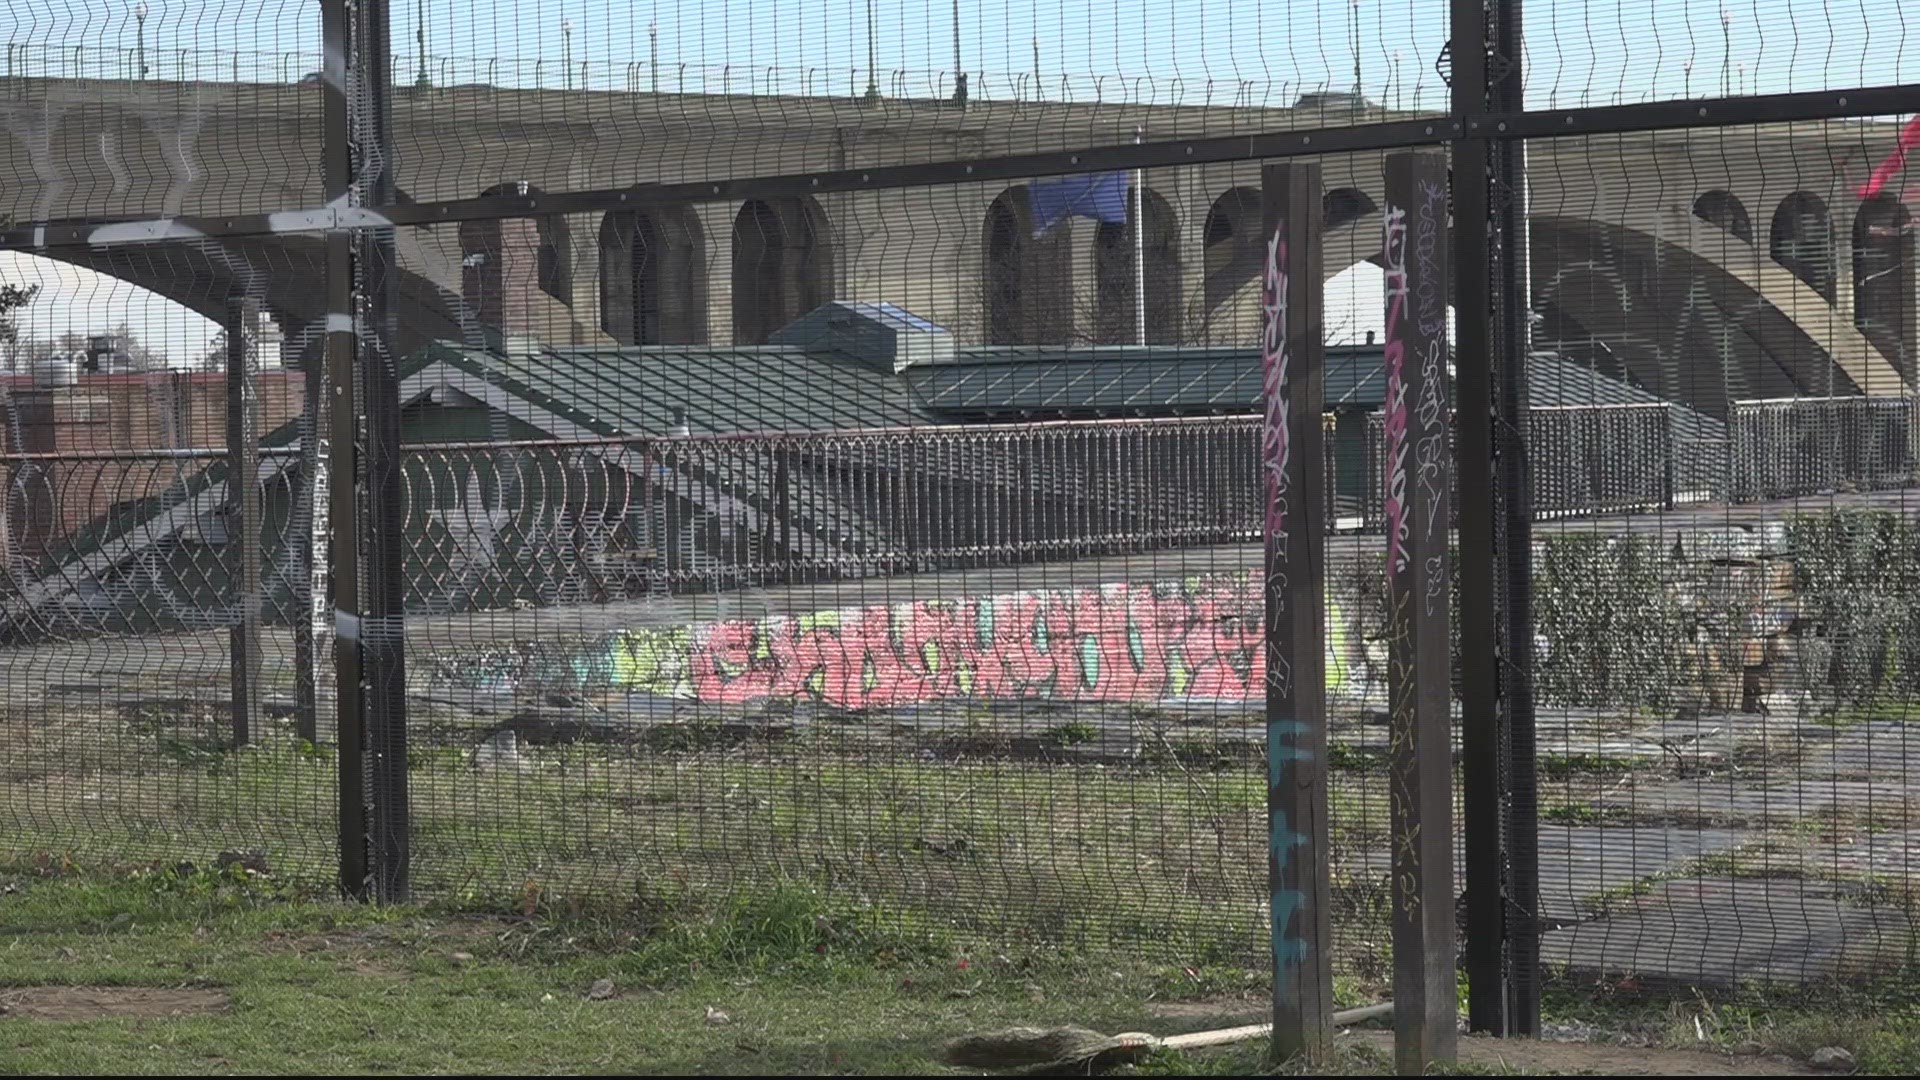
{"x":1669,"y":456}
{"x":307,"y":524}
{"x":1496,"y":618}
{"x":383,"y":630}
{"x":1292,"y":445}
{"x":343,"y":489}
{"x":1420,"y":666}
{"x":1481,"y":745}
{"x":243,"y":498}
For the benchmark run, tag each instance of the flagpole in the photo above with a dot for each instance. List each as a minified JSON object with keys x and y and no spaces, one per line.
{"x":1139,"y":247}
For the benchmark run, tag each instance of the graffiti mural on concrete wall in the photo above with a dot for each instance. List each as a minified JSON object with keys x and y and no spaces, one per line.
{"x":1195,"y":639}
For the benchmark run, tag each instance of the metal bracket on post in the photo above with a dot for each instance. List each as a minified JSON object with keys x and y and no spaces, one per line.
{"x":1292,"y":449}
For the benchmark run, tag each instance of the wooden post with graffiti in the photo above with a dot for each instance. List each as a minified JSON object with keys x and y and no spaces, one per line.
{"x":1419,"y":518}
{"x":1291,"y":446}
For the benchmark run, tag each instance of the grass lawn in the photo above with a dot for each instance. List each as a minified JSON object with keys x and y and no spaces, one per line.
{"x":289,"y":984}
{"x":164,"y":971}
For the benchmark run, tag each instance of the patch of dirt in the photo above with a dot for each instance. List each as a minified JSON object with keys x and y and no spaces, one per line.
{"x":107,"y":1002}
{"x":467,"y":928}
{"x":357,"y":951}
{"x":1600,"y":1059}
{"x":1223,"y":1010}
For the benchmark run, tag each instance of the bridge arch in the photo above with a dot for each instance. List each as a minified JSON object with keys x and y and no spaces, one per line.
{"x":1114,"y":276}
{"x":1230,"y":244}
{"x":1673,"y":315}
{"x":782,"y":264}
{"x":496,"y":272}
{"x":1883,"y":281}
{"x":1801,"y":239}
{"x":286,"y":273}
{"x":1236,"y":320}
{"x":653,"y":276}
{"x":1342,"y":206}
{"x":1028,"y":280}
{"x":1724,"y":209}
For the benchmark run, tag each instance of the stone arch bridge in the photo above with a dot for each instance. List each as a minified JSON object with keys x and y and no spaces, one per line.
{"x":1708,"y":266}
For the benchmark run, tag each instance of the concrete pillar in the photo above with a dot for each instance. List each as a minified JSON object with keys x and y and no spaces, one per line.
{"x":1191,"y":196}
{"x":586,"y":269}
{"x":1086,"y":294}
{"x":716,"y":219}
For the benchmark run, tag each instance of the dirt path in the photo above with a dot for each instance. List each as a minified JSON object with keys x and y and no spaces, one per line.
{"x":1601,"y":1059}
{"x":104,"y":1002}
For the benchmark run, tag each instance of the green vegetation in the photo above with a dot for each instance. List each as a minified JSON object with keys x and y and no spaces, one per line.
{"x":280,"y":982}
{"x":204,"y":971}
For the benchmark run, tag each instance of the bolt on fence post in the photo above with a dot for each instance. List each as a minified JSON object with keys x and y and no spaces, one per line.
{"x":1294,"y":584}
{"x":1420,"y":666}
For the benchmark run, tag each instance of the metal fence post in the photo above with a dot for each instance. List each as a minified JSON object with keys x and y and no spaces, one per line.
{"x":307,"y":519}
{"x":1293,"y":362}
{"x":1670,"y":447}
{"x":1496,"y":619}
{"x":383,"y":629}
{"x":1512,"y":314}
{"x":244,"y":528}
{"x":343,"y":489}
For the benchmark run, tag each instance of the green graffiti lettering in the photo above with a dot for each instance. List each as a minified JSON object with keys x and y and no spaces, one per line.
{"x":820,"y":620}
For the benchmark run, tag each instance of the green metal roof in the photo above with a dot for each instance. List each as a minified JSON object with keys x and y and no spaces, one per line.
{"x":1120,"y":379}
{"x":1123,"y":379}
{"x":636,"y":390}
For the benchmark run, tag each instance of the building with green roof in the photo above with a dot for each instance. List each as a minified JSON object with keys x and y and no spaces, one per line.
{"x":566,"y":475}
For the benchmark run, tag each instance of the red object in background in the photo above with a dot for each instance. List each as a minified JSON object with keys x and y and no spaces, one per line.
{"x":1909,"y":138}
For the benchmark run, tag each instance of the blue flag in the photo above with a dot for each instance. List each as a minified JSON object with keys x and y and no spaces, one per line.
{"x":1102,"y":196}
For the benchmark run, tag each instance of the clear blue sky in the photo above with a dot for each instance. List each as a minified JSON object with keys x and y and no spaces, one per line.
{"x":1595,"y":52}
{"x":1597,"y":49}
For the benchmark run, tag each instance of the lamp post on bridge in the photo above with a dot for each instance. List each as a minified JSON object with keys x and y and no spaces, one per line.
{"x":140,"y":36}
{"x":1726,"y":52}
{"x":420,"y":39}
{"x":566,"y":49}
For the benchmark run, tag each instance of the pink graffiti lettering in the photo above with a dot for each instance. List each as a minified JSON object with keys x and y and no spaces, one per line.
{"x":1394,"y":247}
{"x":1116,"y":643}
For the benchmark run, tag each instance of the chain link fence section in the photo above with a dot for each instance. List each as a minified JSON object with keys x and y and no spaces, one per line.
{"x":849,"y":474}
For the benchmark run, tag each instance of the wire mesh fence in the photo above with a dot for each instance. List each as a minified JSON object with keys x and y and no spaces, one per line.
{"x":704,"y":474}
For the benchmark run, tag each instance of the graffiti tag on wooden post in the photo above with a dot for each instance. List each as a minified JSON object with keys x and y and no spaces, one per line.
{"x":1419,"y":518}
{"x":1293,"y":368}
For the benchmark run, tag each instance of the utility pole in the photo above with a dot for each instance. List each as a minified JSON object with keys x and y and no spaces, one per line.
{"x":959,"y":72}
{"x":420,"y":39}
